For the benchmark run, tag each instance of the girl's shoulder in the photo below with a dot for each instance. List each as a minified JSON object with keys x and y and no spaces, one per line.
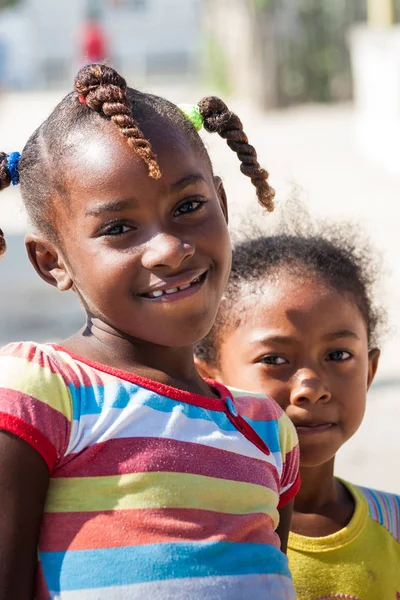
{"x":383,"y":507}
{"x":20,"y":356}
{"x":35,"y":400}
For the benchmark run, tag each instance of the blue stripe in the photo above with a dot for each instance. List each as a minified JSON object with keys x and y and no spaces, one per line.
{"x":85,"y":569}
{"x":377,"y":506}
{"x":268,"y":431}
{"x":94,"y":400}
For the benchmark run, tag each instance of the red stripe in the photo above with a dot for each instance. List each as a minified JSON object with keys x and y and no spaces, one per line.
{"x":31,"y":435}
{"x":51,"y":423}
{"x":290,"y":494}
{"x":87,"y":531}
{"x":258,"y":408}
{"x":138,"y":455}
{"x":72,"y":374}
{"x":159,"y":388}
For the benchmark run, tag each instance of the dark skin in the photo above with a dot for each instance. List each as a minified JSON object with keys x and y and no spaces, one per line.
{"x":306,"y":346}
{"x":121,"y":237}
{"x":23,"y":482}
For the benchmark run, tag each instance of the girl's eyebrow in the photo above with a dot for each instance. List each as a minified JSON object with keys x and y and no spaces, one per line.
{"x":187,"y":180}
{"x":268,"y":339}
{"x":287,"y":339}
{"x":341,"y":333}
{"x":111,"y":206}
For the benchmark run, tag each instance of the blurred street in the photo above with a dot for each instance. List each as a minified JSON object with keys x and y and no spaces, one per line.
{"x":314,"y":149}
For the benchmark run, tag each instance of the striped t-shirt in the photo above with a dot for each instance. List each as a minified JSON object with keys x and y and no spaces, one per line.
{"x":154,"y":492}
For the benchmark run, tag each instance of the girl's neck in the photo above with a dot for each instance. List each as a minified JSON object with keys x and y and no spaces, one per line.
{"x":323,"y":505}
{"x":318,"y":487}
{"x":169,"y":366}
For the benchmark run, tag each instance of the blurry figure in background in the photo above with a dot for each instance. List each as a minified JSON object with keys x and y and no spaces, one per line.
{"x":93,"y":43}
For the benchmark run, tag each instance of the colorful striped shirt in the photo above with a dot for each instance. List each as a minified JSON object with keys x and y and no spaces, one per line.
{"x":359,"y":562}
{"x":154,"y":492}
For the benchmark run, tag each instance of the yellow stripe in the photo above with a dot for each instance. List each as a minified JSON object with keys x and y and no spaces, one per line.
{"x":158,"y":490}
{"x":287,"y":435}
{"x":26,"y":377}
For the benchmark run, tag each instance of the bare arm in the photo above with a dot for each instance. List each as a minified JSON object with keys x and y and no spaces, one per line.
{"x":283,"y":528}
{"x":23,"y":486}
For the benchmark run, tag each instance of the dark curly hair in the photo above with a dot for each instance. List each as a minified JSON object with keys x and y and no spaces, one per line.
{"x":101,"y":95}
{"x":334,"y":253}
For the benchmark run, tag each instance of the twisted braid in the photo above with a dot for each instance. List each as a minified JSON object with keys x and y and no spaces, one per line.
{"x":219,"y":119}
{"x":103,"y":90}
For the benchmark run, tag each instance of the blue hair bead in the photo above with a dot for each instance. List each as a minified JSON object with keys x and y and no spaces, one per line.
{"x":12,"y":164}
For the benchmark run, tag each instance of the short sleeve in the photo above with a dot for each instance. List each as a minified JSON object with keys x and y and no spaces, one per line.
{"x":289,"y":443}
{"x":277,"y":431}
{"x":35,"y":401}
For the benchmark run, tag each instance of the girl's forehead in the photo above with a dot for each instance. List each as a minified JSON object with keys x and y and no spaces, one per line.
{"x":105,"y":162}
{"x":299,"y":300}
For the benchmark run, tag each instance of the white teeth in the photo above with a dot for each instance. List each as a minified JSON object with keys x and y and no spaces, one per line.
{"x":159,"y":293}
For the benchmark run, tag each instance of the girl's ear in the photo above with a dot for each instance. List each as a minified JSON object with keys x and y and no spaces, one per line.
{"x":219,"y":186}
{"x":373,"y":361}
{"x":205,"y":370}
{"x":47,"y":262}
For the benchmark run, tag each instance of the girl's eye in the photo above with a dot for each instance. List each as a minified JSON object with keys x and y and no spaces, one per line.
{"x":273,"y":359}
{"x":189,"y":206}
{"x":339,"y":355}
{"x":116,"y":229}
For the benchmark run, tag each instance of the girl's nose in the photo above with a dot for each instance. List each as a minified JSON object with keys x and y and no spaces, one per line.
{"x":308,"y":387}
{"x":166,"y":250}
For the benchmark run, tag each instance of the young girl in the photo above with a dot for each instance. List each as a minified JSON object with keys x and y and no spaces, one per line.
{"x":298,"y":322}
{"x":120,"y":467}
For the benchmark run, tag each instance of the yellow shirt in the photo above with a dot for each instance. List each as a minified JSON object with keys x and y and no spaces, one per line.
{"x":359,"y":562}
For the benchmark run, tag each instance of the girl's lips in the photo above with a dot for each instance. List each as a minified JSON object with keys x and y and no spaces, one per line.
{"x":313,"y":429}
{"x":172,"y":296}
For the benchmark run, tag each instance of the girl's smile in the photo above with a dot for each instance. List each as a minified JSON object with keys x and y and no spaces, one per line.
{"x":181,"y":286}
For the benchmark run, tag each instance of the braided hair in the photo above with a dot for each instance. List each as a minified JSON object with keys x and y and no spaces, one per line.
{"x":219,"y":119}
{"x":103,"y":90}
{"x":100,"y":96}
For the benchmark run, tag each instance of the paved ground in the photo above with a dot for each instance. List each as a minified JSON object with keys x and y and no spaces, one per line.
{"x":313,"y":148}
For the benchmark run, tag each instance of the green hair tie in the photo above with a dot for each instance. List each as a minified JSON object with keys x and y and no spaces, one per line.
{"x":192,"y":112}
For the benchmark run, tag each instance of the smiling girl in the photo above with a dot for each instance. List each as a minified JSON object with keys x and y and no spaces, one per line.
{"x":129,"y":475}
{"x":298,"y":322}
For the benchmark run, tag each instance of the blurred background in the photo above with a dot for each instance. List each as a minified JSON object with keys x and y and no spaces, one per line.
{"x":317,"y":85}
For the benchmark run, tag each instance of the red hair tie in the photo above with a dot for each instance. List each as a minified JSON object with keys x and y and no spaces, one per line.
{"x":82,"y":99}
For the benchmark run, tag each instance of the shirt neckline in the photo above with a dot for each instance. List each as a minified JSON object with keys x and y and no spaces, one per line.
{"x":217,"y":404}
{"x":340,"y":538}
